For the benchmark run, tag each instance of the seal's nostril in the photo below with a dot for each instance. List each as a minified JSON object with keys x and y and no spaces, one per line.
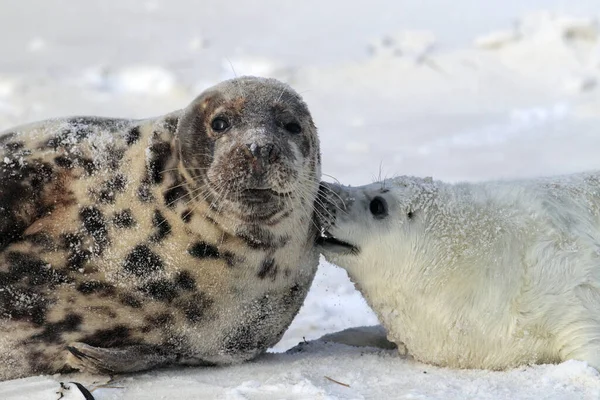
{"x":268,"y":151}
{"x":254,"y":149}
{"x":378,"y":207}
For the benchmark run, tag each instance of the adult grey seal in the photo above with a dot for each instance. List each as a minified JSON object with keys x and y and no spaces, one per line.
{"x":182,"y":239}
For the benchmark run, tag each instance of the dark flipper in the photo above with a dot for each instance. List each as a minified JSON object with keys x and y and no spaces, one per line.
{"x":119,"y":359}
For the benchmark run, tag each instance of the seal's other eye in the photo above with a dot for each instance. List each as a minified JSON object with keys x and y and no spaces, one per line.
{"x":293,"y":127}
{"x":219,"y":124}
{"x":378,"y":207}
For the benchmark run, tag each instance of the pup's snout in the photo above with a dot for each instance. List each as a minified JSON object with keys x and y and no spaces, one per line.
{"x":335,"y":195}
{"x":332,"y":200}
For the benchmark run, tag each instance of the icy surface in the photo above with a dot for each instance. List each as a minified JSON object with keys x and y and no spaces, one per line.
{"x":461,"y":90}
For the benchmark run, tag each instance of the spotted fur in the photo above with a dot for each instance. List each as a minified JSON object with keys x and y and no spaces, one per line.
{"x":130,"y":244}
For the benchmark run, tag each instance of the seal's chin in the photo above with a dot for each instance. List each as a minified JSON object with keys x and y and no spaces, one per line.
{"x":330,"y":244}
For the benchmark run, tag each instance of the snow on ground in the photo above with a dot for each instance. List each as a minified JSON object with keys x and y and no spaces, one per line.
{"x":457,"y":90}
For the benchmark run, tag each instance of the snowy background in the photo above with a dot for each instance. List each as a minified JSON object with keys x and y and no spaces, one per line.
{"x":458,"y":90}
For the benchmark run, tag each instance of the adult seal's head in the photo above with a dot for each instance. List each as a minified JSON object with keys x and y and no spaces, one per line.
{"x":249,"y":143}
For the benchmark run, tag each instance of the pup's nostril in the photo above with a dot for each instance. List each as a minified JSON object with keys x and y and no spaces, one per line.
{"x":378,"y":207}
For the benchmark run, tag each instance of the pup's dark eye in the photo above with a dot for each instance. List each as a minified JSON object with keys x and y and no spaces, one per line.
{"x":378,"y":207}
{"x":293,"y":127}
{"x":219,"y":124}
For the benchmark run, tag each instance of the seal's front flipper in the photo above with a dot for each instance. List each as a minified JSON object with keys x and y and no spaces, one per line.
{"x":117,"y":359}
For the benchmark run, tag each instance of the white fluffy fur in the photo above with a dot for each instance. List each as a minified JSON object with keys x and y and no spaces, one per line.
{"x":490,"y":275}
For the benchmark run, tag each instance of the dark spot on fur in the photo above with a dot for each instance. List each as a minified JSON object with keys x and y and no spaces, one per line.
{"x":12,"y":147}
{"x":21,"y":303}
{"x":294,"y":295}
{"x":410,"y":215}
{"x":185,"y":280}
{"x":63,"y":162}
{"x":77,"y":255}
{"x":187,"y":215}
{"x":6,"y":137}
{"x":78,"y":130}
{"x":43,"y":174}
{"x":195,"y":307}
{"x":131,"y":301}
{"x":114,"y":158}
{"x":161,"y":289}
{"x":175,"y":194}
{"x":110,"y":188}
{"x":42,"y":240}
{"x":17,"y":185}
{"x":163,"y":228}
{"x":203,"y":250}
{"x":118,"y":182}
{"x":118,"y":336}
{"x":95,"y":225}
{"x":123,"y":219}
{"x":35,"y":270}
{"x":12,"y":222}
{"x":53,"y":330}
{"x":77,"y":258}
{"x":145,"y":193}
{"x":88,"y":165}
{"x":160,"y":152}
{"x":157,"y":322}
{"x":171,"y":124}
{"x":70,"y":240}
{"x":133,"y":135}
{"x":268,"y":269}
{"x":142,"y":261}
{"x":90,"y":287}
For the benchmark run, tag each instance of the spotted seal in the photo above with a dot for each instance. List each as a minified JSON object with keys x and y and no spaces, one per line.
{"x":183,"y":239}
{"x":489,"y":275}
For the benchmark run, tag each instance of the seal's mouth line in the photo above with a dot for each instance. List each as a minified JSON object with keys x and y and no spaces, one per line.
{"x":252,"y":192}
{"x":334,"y":245}
{"x":264,"y":191}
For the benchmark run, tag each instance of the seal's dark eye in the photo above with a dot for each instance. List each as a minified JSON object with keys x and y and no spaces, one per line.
{"x":378,"y":207}
{"x":219,"y":124}
{"x":293,"y":127}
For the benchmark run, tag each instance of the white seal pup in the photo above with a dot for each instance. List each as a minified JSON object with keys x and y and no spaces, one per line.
{"x":182,"y":239}
{"x":489,"y":275}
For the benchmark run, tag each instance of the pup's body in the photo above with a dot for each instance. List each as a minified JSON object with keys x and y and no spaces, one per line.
{"x":490,"y":275}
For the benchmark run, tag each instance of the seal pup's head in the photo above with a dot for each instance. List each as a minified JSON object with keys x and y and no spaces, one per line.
{"x":375,"y":223}
{"x":251,"y":147}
